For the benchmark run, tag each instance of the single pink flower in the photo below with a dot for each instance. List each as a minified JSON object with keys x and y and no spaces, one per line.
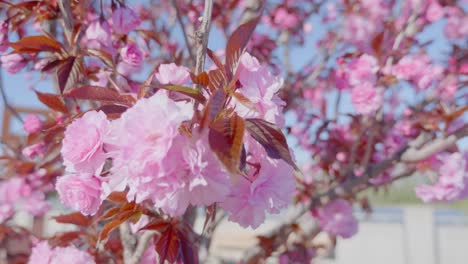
{"x":82,"y":146}
{"x":434,"y":12}
{"x":172,"y":74}
{"x":13,"y":63}
{"x":36,"y":204}
{"x":32,"y":124}
{"x":284,"y":19}
{"x":124,"y":20}
{"x":132,"y":55}
{"x":98,"y":35}
{"x":71,"y":255}
{"x":6,"y":212}
{"x":41,"y":253}
{"x":337,"y":218}
{"x":80,"y":192}
{"x":366,"y":98}
{"x":34,"y":150}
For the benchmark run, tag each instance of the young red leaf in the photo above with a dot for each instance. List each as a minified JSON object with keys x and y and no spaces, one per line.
{"x":193,"y":93}
{"x":217,"y":80}
{"x":98,"y":93}
{"x":51,"y":65}
{"x":68,"y":73}
{"x":64,"y":239}
{"x":112,"y":111}
{"x":237,"y":44}
{"x":201,"y":79}
{"x":226,"y":138}
{"x":52,"y":101}
{"x":109,"y":227}
{"x":110,"y":213}
{"x":74,"y":218}
{"x":117,"y":197}
{"x":102,"y":55}
{"x":158,"y":225}
{"x":167,"y":245}
{"x":34,"y":44}
{"x":271,"y":138}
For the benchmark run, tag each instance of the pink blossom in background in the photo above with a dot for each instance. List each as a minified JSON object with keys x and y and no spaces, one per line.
{"x":132,"y":55}
{"x":149,"y":256}
{"x":362,"y":70}
{"x":366,"y":98}
{"x":32,"y":123}
{"x":80,"y":192}
{"x":102,"y":79}
{"x":269,"y":188}
{"x":13,"y":63}
{"x":337,"y":218}
{"x":417,"y":69}
{"x":71,"y":255}
{"x":82,"y":146}
{"x":124,"y":20}
{"x":285,"y":19}
{"x":172,"y":74}
{"x":14,"y":189}
{"x":140,"y":140}
{"x":6,"y":212}
{"x":98,"y":35}
{"x":359,"y":29}
{"x":457,"y":23}
{"x":3,"y":36}
{"x":34,"y":150}
{"x":452,"y":183}
{"x":41,"y":253}
{"x":434,"y":12}
{"x":36,"y":204}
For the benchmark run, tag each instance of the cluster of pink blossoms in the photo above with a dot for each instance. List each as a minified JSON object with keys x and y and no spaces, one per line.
{"x":155,"y":162}
{"x":359,"y":74}
{"x":337,"y":218}
{"x":452,"y":184}
{"x":42,"y":253}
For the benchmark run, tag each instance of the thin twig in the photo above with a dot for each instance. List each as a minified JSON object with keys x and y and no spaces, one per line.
{"x":201,"y":37}
{"x":184,"y":32}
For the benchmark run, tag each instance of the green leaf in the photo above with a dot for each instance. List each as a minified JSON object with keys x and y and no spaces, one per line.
{"x":193,"y":93}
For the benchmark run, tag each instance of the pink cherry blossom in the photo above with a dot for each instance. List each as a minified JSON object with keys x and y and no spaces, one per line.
{"x":284,"y":19}
{"x":457,"y":23}
{"x":132,"y":55}
{"x":366,"y":98}
{"x":337,"y":218}
{"x":41,"y":253}
{"x":98,"y":35}
{"x":32,"y":123}
{"x":80,"y":192}
{"x":140,"y":140}
{"x":362,"y":69}
{"x":434,"y":12}
{"x":71,"y":255}
{"x":6,"y":212}
{"x":452,"y":183}
{"x":3,"y":36}
{"x":124,"y":20}
{"x":418,"y":69}
{"x":82,"y":146}
{"x":36,"y":204}
{"x":172,"y":74}
{"x":13,"y":189}
{"x":261,"y":88}
{"x":13,"y":63}
{"x":269,"y":187}
{"x":34,"y":150}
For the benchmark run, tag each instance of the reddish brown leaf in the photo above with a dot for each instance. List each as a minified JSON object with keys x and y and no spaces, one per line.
{"x":236,"y":45}
{"x":193,"y":93}
{"x":271,"y":138}
{"x":215,"y":60}
{"x":64,"y":239}
{"x":226,"y":138}
{"x":244,"y":100}
{"x":34,"y":44}
{"x":158,"y":225}
{"x":103,"y":56}
{"x":117,"y":197}
{"x":167,"y":245}
{"x":217,"y":80}
{"x":68,"y":73}
{"x":74,"y":218}
{"x":201,"y":79}
{"x":113,"y":111}
{"x":110,"y":213}
{"x":24,"y":167}
{"x":98,"y":93}
{"x":51,"y":65}
{"x":377,"y":42}
{"x":52,"y":101}
{"x":109,"y":227}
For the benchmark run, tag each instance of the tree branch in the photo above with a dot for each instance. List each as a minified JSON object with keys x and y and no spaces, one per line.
{"x":142,"y":245}
{"x":201,"y":37}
